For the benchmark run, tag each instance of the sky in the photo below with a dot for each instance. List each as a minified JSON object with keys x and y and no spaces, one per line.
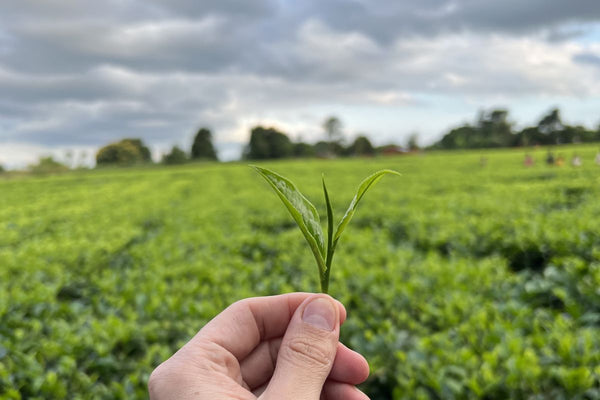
{"x":78,"y":74}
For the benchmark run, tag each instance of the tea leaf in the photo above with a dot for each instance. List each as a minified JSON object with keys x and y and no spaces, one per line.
{"x":362,"y":189}
{"x":330,"y":249}
{"x":303,"y":211}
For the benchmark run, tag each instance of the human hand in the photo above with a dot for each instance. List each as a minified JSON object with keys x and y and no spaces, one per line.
{"x":267,"y":348}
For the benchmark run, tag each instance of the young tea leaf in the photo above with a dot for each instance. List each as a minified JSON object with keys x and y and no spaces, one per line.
{"x":303,"y":211}
{"x":306,"y":216}
{"x":362,"y":189}
{"x":325,"y":281}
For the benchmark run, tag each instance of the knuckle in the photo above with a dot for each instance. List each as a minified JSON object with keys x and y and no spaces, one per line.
{"x":306,"y":351}
{"x":157,"y":381}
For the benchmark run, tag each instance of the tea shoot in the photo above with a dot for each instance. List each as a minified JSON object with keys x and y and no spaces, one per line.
{"x":306,"y":216}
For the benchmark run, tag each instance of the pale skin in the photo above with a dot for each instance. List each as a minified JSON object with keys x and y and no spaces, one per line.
{"x":267,"y":348}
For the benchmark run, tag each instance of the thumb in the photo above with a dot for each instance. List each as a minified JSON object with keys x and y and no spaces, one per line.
{"x":307,"y":351}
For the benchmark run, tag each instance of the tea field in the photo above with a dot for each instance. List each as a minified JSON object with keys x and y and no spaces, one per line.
{"x":461,"y":280}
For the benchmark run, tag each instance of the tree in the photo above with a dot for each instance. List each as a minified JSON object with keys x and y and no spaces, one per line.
{"x":202,"y":147}
{"x":361,"y":147}
{"x":141,"y":147}
{"x":333,"y":129}
{"x":412,"y":144}
{"x":268,"y":143}
{"x":491,"y":130}
{"x":2,"y":170}
{"x":302,"y":149}
{"x":124,"y":152}
{"x":48,"y":165}
{"x":458,"y":138}
{"x":494,"y":129}
{"x":551,"y":122}
{"x":176,"y":156}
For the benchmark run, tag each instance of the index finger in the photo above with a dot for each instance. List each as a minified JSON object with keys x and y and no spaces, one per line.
{"x":244,"y":324}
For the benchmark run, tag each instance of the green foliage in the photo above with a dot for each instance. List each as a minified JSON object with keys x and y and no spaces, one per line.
{"x":361,"y":147}
{"x":175,"y":156}
{"x":306,"y":216}
{"x":302,"y":149}
{"x":412,"y":144}
{"x":304,"y":213}
{"x":47,"y":165}
{"x":124,"y":152}
{"x":493,"y":130}
{"x":268,"y":143}
{"x":463,"y":282}
{"x":202,"y":148}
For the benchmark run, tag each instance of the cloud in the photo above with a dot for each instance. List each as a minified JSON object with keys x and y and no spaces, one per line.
{"x":587,"y":58}
{"x":76,"y":73}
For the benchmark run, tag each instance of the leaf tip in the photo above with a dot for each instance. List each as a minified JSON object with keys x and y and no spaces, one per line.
{"x":391,"y":171}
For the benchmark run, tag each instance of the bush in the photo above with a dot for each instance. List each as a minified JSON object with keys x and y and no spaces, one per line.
{"x":47,"y":165}
{"x":176,"y":156}
{"x":124,"y":152}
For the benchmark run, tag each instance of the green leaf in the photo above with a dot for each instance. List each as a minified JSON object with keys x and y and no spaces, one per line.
{"x":362,"y":189}
{"x":303,"y":211}
{"x":329,"y":217}
{"x":330,"y":248}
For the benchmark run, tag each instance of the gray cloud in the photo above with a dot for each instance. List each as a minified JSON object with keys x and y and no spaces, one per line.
{"x":588,"y":58}
{"x":84,"y":73}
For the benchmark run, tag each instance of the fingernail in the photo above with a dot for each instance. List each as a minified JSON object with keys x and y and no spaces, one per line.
{"x":320,"y":313}
{"x":361,"y":393}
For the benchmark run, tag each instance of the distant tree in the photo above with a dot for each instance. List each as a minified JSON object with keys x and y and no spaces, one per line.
{"x":266,"y":143}
{"x":577,"y":134}
{"x":2,"y":170}
{"x":142,"y":148}
{"x":322,"y":149}
{"x":333,"y":130}
{"x":529,"y":136}
{"x":202,"y":147}
{"x":361,"y":147}
{"x":412,"y":143}
{"x":47,"y":165}
{"x":302,"y":149}
{"x":124,"y":152}
{"x":461,"y":137}
{"x":551,"y":122}
{"x":494,"y":129}
{"x":175,"y":156}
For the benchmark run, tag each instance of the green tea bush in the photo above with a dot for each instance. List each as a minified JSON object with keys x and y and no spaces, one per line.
{"x":459,"y":281}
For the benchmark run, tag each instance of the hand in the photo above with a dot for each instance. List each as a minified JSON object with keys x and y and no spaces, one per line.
{"x":268,"y":348}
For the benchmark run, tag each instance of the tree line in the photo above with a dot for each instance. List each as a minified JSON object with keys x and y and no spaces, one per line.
{"x":493,"y":129}
{"x":134,"y":151}
{"x":264,"y":143}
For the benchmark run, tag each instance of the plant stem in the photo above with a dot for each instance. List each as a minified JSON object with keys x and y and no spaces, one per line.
{"x":330,"y":244}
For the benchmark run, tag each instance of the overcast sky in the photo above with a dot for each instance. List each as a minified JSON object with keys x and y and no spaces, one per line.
{"x":75,"y":74}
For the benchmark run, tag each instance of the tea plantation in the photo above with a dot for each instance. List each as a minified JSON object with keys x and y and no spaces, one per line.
{"x":461,"y":280}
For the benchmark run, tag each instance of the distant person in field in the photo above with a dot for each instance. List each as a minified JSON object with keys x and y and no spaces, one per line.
{"x":560,"y":161}
{"x":528,"y":162}
{"x":266,"y":348}
{"x":576,"y":161}
{"x":483,"y":161}
{"x":550,"y":158}
{"x":597,"y":159}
